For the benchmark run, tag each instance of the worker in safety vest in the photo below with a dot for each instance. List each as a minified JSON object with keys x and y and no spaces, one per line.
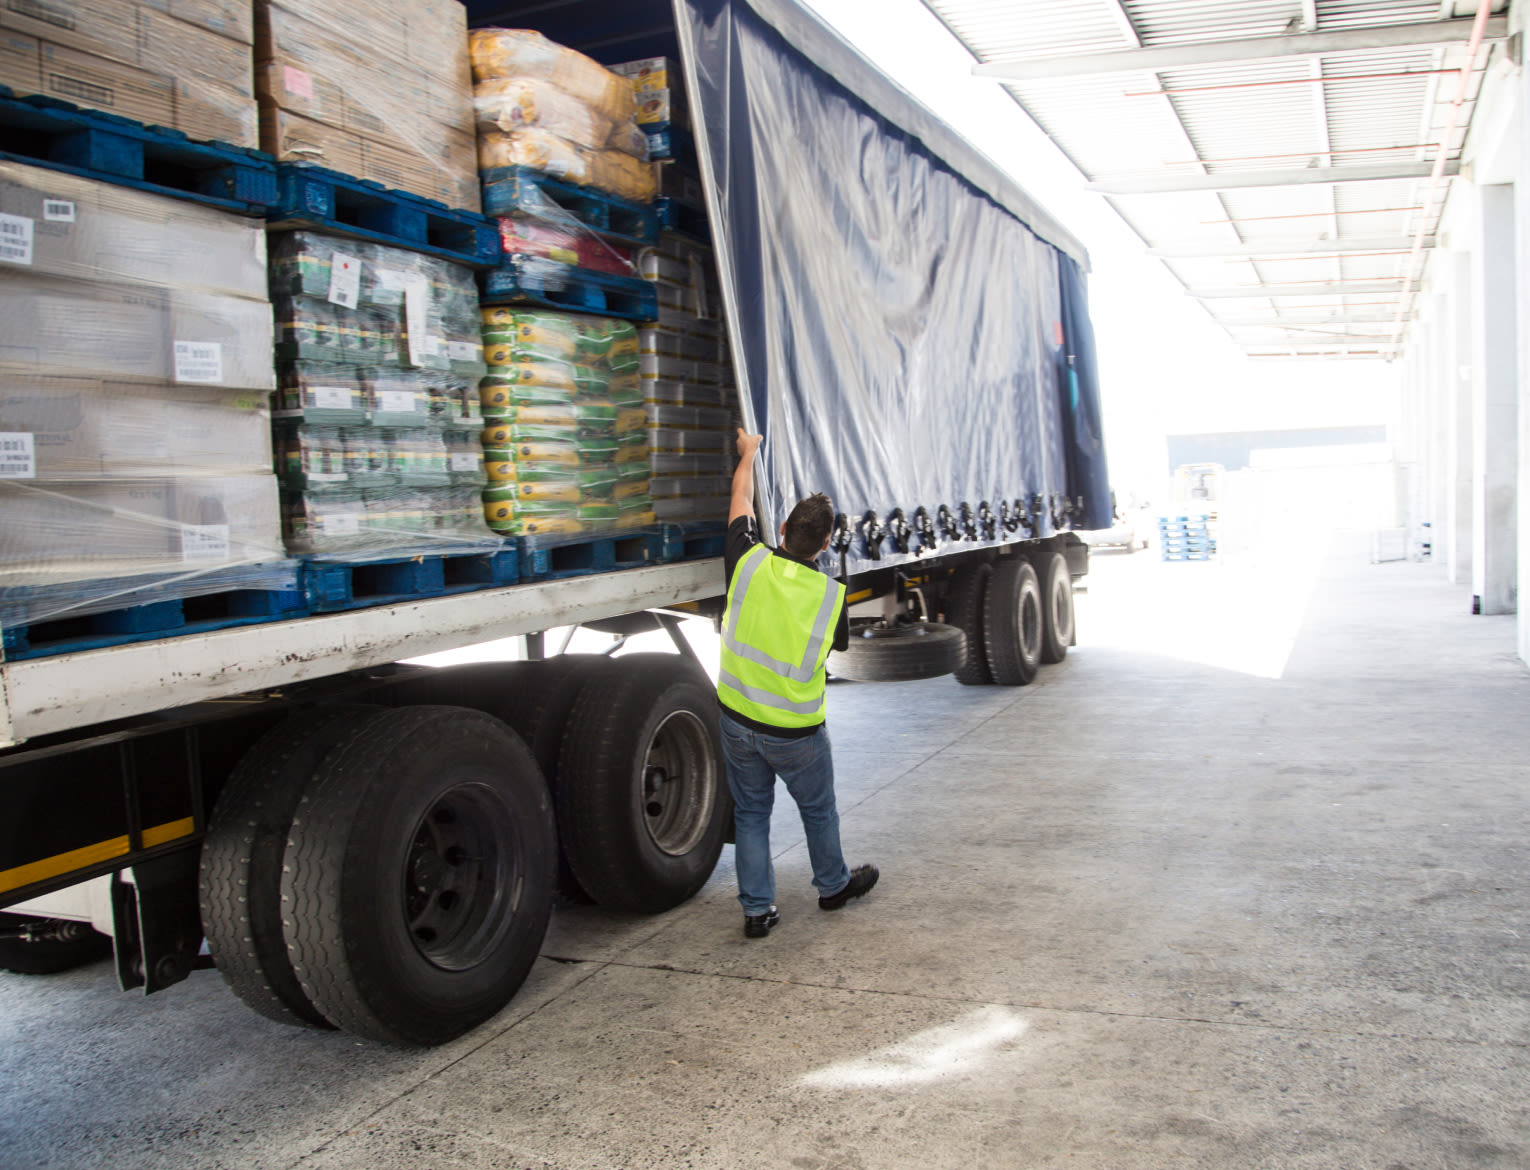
{"x":783,"y":617}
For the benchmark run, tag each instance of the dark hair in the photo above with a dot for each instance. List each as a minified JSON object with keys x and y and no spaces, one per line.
{"x":808,"y":526}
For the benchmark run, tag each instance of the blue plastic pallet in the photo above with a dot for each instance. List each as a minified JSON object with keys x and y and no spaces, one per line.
{"x":538,"y":281}
{"x":45,"y":132}
{"x":523,"y":191}
{"x":678,"y":216}
{"x":335,"y":584}
{"x":265,"y":594}
{"x":545,"y":558}
{"x":692,"y":542}
{"x":312,"y":197}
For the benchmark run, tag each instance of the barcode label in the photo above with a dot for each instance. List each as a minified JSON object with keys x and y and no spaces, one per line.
{"x":198,"y":361}
{"x":340,"y":523}
{"x":58,"y":210}
{"x":18,"y":456}
{"x":15,"y":239}
{"x":344,"y":280}
{"x":464,"y":351}
{"x":397,"y":401}
{"x":331,"y":397}
{"x":204,"y":542}
{"x":464,"y":461}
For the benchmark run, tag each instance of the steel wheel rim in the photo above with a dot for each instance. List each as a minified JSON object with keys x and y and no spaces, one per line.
{"x":678,"y":780}
{"x":461,"y":878}
{"x":1062,"y":610}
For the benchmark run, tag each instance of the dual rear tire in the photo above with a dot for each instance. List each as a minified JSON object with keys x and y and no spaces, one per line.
{"x":390,"y":871}
{"x":1017,"y":613}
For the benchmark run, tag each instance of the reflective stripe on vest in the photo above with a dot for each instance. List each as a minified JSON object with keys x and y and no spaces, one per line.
{"x":784,"y":691}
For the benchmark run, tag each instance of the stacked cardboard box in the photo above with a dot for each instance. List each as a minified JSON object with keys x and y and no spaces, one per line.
{"x":186,"y":65}
{"x":378,"y":89}
{"x":660,"y":93}
{"x":135,"y":366}
{"x":688,"y":385}
{"x":377,"y":418}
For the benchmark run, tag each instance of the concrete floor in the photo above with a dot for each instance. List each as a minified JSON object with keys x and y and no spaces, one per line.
{"x":1187,"y":902}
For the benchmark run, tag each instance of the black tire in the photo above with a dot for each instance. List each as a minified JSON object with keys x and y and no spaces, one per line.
{"x":643,"y":806}
{"x":417,"y":884}
{"x":81,"y":944}
{"x":1056,"y":606}
{"x":1012,"y":622}
{"x":901,"y":653}
{"x":964,"y":610}
{"x":240,"y":877}
{"x":534,"y":698}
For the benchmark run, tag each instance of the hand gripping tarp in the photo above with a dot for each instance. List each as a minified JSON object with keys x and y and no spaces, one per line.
{"x":900,"y":336}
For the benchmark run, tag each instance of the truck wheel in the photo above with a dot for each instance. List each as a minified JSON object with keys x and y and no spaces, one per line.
{"x":1056,"y":606}
{"x":417,"y":883}
{"x":73,"y":944}
{"x":534,"y":698}
{"x":240,"y":882}
{"x":643,"y":803}
{"x":1012,"y":622}
{"x":964,"y":610}
{"x":899,"y":653}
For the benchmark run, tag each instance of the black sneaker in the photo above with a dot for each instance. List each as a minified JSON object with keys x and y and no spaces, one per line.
{"x":862,"y":878}
{"x":758,"y":925}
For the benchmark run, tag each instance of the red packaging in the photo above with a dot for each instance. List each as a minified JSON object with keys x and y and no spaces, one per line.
{"x":526,"y":237}
{"x":604,"y":256}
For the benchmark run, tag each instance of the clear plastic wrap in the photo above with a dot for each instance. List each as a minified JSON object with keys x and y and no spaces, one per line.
{"x":898,"y":334}
{"x":565,"y":432}
{"x":135,"y":372}
{"x":89,"y":230}
{"x":379,"y":89}
{"x":547,"y":107}
{"x":186,"y":69}
{"x":512,"y":52}
{"x":377,"y":415}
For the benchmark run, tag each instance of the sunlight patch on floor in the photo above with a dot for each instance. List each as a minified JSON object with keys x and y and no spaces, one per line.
{"x":961,"y":1048}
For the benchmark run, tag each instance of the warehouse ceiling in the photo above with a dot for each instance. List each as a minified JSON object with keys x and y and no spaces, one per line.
{"x":1287,"y":160}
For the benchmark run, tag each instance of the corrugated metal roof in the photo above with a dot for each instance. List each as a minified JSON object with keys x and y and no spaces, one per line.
{"x":1318,"y":261}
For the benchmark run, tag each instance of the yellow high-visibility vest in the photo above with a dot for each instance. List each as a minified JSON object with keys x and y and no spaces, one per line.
{"x":778,"y":629}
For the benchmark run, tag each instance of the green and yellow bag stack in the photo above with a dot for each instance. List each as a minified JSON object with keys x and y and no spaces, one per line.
{"x":565,"y":433}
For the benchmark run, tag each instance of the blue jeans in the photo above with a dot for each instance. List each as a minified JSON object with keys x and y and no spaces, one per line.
{"x":806,"y":765}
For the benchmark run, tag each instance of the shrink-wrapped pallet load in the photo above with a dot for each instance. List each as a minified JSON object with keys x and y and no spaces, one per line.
{"x":376,"y":416}
{"x":565,"y":434}
{"x":377,"y":89}
{"x":547,"y":107}
{"x":135,"y":368}
{"x":688,"y":393}
{"x":185,"y":66}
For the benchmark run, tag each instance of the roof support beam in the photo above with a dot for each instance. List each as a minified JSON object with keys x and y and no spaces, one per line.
{"x":1294,"y":248}
{"x":1274,"y":291}
{"x":1329,"y":319}
{"x":1394,"y":36}
{"x":1295,"y":177}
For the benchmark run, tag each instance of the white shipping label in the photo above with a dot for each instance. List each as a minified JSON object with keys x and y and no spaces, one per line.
{"x":15,"y":239}
{"x":340,"y":523}
{"x":395,"y":279}
{"x":344,"y":280}
{"x":465,"y":461}
{"x":198,"y":361}
{"x":331,"y":397}
{"x":58,"y":210}
{"x":204,"y":542}
{"x":464,"y":351}
{"x":416,"y":319}
{"x":397,"y":401}
{"x":18,"y":455}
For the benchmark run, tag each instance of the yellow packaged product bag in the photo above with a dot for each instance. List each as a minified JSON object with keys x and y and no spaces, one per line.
{"x":509,"y":104}
{"x":519,"y":52}
{"x":539,"y":150}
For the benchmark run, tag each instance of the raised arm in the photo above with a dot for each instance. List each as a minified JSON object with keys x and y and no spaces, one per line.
{"x":742,"y":503}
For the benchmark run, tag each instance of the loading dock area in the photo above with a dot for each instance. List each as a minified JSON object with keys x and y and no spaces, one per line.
{"x":1166,"y":907}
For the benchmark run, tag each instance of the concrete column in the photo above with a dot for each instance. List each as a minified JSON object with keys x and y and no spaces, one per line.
{"x":1522,"y":251}
{"x":1457,"y":550}
{"x":1495,"y":406}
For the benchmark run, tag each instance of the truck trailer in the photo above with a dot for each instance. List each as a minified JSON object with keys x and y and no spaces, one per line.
{"x":359,"y":844}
